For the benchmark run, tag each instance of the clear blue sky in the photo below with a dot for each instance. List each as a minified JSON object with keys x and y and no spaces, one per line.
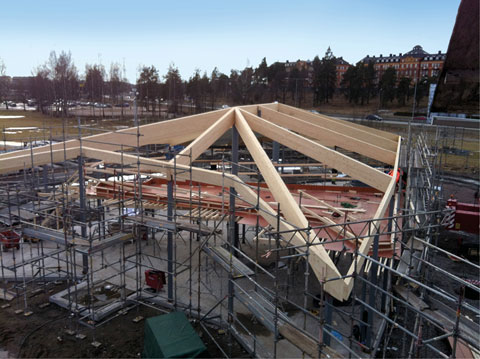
{"x":223,"y":33}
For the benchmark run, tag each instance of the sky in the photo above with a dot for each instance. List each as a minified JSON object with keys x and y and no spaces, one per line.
{"x":227,"y":34}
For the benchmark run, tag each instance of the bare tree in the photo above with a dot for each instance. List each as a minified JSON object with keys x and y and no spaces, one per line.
{"x":4,"y":82}
{"x":41,"y":87}
{"x":64,"y":75}
{"x":116,"y":84}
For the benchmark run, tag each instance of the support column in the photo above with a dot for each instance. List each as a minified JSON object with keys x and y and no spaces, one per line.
{"x":372,"y":290}
{"x":233,"y":226}
{"x":45,"y":177}
{"x":385,"y":272}
{"x":83,"y":209}
{"x":328,"y":317}
{"x":170,"y":240}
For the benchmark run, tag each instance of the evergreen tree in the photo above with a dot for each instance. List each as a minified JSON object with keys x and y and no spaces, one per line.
{"x":326,"y":76}
{"x":148,"y":87}
{"x":403,"y":89}
{"x":387,"y":86}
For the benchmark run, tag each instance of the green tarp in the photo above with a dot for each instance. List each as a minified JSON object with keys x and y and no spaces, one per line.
{"x":171,"y":336}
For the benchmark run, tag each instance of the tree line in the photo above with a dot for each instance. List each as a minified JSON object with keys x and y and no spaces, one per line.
{"x":359,"y":86}
{"x":58,"y":81}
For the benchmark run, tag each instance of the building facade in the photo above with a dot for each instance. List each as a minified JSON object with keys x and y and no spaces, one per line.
{"x":414,"y":64}
{"x":341,"y":66}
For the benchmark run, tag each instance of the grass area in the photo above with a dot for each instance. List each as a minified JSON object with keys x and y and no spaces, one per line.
{"x":47,"y":126}
{"x":459,"y":150}
{"x":340,"y":106}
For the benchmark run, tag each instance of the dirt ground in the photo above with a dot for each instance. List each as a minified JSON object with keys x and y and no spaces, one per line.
{"x":44,"y":333}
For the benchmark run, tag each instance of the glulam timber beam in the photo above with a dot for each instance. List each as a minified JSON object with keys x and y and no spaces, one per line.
{"x":380,"y":138}
{"x":321,"y":263}
{"x":277,"y":187}
{"x":171,"y":132}
{"x":314,"y":150}
{"x":205,"y":140}
{"x":367,"y":242}
{"x":21,"y":161}
{"x":328,"y":137}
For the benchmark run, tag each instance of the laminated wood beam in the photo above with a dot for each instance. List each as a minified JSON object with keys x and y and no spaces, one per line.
{"x":21,"y":161}
{"x":380,"y":138}
{"x":381,"y":133}
{"x":206,"y":139}
{"x":328,"y":137}
{"x":319,"y":260}
{"x":173,"y":132}
{"x":367,"y":242}
{"x":353,"y":168}
{"x":279,"y":189}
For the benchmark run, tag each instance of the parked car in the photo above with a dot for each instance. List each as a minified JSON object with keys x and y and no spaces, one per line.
{"x":373,"y":117}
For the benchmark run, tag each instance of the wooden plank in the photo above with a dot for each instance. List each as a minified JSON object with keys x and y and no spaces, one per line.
{"x":303,"y":164}
{"x":332,"y":123}
{"x":327,"y":221}
{"x":410,"y":297}
{"x":328,"y":137}
{"x":173,"y":132}
{"x":321,"y":263}
{"x":380,"y":212}
{"x":291,"y":175}
{"x":205,"y":140}
{"x":277,"y":187}
{"x":363,"y":133}
{"x":323,"y":203}
{"x":299,"y":339}
{"x":353,"y":168}
{"x":21,"y":161}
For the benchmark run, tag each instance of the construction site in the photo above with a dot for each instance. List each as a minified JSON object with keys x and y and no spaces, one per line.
{"x":274,"y":231}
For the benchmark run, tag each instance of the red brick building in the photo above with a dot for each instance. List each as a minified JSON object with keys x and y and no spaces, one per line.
{"x":341,"y":66}
{"x":414,"y":64}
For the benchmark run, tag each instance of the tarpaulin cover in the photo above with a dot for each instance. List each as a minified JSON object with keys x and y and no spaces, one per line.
{"x":171,"y":336}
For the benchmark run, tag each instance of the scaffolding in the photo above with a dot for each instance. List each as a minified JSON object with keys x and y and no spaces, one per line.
{"x":98,"y":248}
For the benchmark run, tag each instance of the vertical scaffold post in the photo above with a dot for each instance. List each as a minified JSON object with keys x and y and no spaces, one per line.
{"x":81,"y":189}
{"x":233,"y":233}
{"x":328,"y":303}
{"x":170,"y":235}
{"x":372,"y":291}
{"x":385,"y":272}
